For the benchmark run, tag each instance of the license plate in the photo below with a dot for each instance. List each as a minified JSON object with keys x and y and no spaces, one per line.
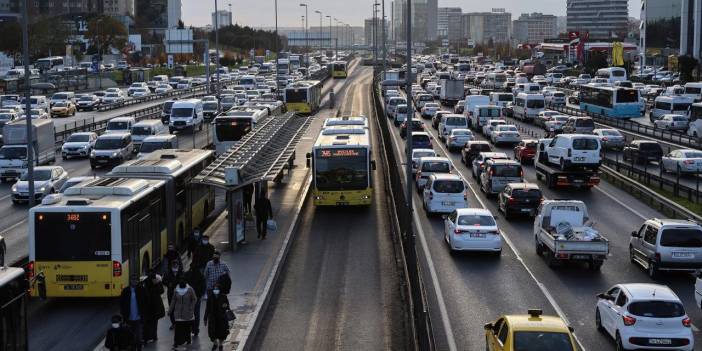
{"x":342,"y":203}
{"x":580,"y":257}
{"x":578,"y":181}
{"x":683,"y":255}
{"x":526,"y":210}
{"x":580,"y":158}
{"x":73,"y":287}
{"x":477,"y":235}
{"x":660,"y":341}
{"x":448,"y":203}
{"x":102,"y":161}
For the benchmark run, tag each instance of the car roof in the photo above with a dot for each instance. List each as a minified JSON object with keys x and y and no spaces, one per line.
{"x":119,"y":135}
{"x":46,"y":168}
{"x":446,"y":176}
{"x":434,"y":159}
{"x":120,"y":119}
{"x":423,"y":150}
{"x":644,"y":291}
{"x":492,"y":154}
{"x":474,"y":211}
{"x":503,"y":162}
{"x":420,"y":133}
{"x":541,"y":323}
{"x":523,"y":185}
{"x":83,"y":133}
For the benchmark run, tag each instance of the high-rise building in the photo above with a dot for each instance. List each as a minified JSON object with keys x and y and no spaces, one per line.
{"x":691,"y":28}
{"x":174,"y":13}
{"x":9,"y":10}
{"x":535,"y":27}
{"x":424,"y":20}
{"x":118,"y":7}
{"x":53,"y":8}
{"x":368,"y":31}
{"x":223,"y":17}
{"x":483,"y":27}
{"x":455,"y":26}
{"x":601,"y":19}
{"x":660,"y":24}
{"x":442,"y":21}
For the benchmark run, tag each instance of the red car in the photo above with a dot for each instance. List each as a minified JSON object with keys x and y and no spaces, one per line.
{"x":525,"y":151}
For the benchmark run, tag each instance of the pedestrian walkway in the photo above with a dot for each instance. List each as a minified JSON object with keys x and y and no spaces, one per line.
{"x":254,"y":265}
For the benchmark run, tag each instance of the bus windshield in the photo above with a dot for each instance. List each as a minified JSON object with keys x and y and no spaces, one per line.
{"x":535,"y":104}
{"x":72,"y":236}
{"x":232,"y":129}
{"x":297,"y":95}
{"x":341,"y":169}
{"x":626,"y":96}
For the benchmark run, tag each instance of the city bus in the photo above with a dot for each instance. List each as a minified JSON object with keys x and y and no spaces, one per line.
{"x":52,"y":63}
{"x":613,"y":102}
{"x":303,"y":96}
{"x":346,"y":121}
{"x":88,"y":241}
{"x":339,"y":69}
{"x":342,"y":167}
{"x":13,"y":309}
{"x":231,"y":126}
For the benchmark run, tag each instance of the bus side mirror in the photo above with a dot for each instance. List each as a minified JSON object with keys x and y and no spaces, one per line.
{"x":373,"y":165}
{"x":309,"y":159}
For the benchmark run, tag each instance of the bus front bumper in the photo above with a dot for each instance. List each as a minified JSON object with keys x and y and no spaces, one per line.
{"x":343,"y":198}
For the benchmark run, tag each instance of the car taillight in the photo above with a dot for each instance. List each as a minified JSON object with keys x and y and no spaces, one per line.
{"x":30,"y":270}
{"x":521,"y":173}
{"x":511,"y":200}
{"x":686,"y":322}
{"x":492,"y":172}
{"x":465,"y":196}
{"x":688,"y":162}
{"x":452,"y":138}
{"x":116,"y":269}
{"x":605,"y":139}
{"x":628,"y":321}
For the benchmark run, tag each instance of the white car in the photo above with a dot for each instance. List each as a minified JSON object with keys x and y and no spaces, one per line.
{"x":73,"y":182}
{"x":545,"y":116}
{"x":555,"y":98}
{"x":472,"y":229}
{"x":36,"y":114}
{"x":444,"y":193}
{"x":135,"y":86}
{"x":78,"y":145}
{"x":389,"y":94}
{"x":490,"y":126}
{"x":112,"y":98}
{"x":419,"y":153}
{"x":644,"y":316}
{"x":610,"y":138}
{"x":141,"y":92}
{"x":672,"y":122}
{"x":429,"y":109}
{"x":47,"y":180}
{"x":505,"y":134}
{"x":683,"y":161}
{"x":458,"y":137}
{"x":163,"y":88}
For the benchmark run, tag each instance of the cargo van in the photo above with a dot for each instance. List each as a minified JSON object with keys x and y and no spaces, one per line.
{"x":144,"y":129}
{"x":186,"y":114}
{"x":664,"y":105}
{"x":528,"y":106}
{"x":472,"y":101}
{"x":483,"y":113}
{"x":501,"y":99}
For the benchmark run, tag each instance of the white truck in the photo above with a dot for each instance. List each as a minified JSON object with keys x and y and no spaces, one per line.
{"x":451,"y":91}
{"x":13,"y":154}
{"x":563,"y":232}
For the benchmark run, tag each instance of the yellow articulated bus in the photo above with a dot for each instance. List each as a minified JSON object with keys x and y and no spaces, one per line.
{"x":303,"y":96}
{"x":88,"y":241}
{"x":342,"y":167}
{"x":339,"y":69}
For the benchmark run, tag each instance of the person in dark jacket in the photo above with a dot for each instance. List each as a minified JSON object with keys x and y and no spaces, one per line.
{"x":170,"y":280}
{"x":264,"y":211}
{"x":182,"y":308}
{"x":132,"y":305}
{"x":196,"y":280}
{"x":171,"y":255}
{"x":154,"y":306}
{"x":119,"y":337}
{"x":202,"y":254}
{"x":248,"y":194}
{"x":216,"y":318}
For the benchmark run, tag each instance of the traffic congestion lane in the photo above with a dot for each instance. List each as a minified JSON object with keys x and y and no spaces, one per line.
{"x":474,"y":288}
{"x":573,"y":286}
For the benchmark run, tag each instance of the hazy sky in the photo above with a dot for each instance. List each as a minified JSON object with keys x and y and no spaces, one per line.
{"x":259,"y":13}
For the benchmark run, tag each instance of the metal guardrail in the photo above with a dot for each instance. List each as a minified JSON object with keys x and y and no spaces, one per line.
{"x":419,"y":307}
{"x":151,"y":97}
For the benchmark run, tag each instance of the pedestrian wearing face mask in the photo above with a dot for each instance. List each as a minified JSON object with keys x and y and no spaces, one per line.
{"x":119,"y":337}
{"x":154,"y":306}
{"x":203,"y":253}
{"x":214,"y":270}
{"x":182,"y":308}
{"x":170,"y":280}
{"x":196,"y":280}
{"x":133,"y":307}
{"x":216,"y":317}
{"x":172,"y":255}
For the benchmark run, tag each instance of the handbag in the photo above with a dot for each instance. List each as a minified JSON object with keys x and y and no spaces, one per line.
{"x":229,"y":315}
{"x":272,"y":225}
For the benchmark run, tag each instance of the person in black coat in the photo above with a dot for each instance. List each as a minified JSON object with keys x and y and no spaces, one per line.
{"x":119,"y":337}
{"x":133,"y":306}
{"x":264,"y":211}
{"x":172,"y":255}
{"x":216,"y":318}
{"x":154,"y":306}
{"x":202,"y":254}
{"x":197,"y":281}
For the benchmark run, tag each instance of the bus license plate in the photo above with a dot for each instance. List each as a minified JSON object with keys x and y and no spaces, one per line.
{"x":342,"y":203}
{"x":73,"y":287}
{"x":448,"y":203}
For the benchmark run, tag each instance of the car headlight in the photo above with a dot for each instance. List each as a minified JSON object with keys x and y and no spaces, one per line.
{"x":42,"y":189}
{"x":92,"y":153}
{"x":14,"y":188}
{"x":114,"y":154}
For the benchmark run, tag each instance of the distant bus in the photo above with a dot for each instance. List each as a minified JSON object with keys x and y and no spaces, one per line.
{"x":613,"y":102}
{"x":233,"y":125}
{"x":612,"y":74}
{"x":303,"y":96}
{"x":53,"y":63}
{"x":339,"y":69}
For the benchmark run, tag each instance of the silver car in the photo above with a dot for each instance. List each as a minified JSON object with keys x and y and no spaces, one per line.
{"x":458,"y":138}
{"x":667,"y":245}
{"x":47,"y":180}
{"x":682,"y":161}
{"x":610,"y":138}
{"x":78,"y":145}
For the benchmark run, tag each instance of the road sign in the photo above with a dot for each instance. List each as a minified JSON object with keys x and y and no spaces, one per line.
{"x":170,"y":61}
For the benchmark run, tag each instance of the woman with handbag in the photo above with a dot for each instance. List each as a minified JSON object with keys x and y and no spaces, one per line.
{"x":217,"y":317}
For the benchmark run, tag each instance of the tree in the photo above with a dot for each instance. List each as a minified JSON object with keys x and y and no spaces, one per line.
{"x":11,"y":34}
{"x":686,"y":64}
{"x":106,"y":32}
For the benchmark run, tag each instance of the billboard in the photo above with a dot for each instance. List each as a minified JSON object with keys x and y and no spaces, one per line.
{"x":179,"y":41}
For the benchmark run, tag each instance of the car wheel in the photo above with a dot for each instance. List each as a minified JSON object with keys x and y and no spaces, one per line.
{"x":562,"y":164}
{"x":618,"y":340}
{"x":652,"y":270}
{"x":539,"y":248}
{"x":598,"y":320}
{"x":632,"y":258}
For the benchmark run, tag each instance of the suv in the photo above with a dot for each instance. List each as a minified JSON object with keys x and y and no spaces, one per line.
{"x":498,"y":173}
{"x":667,"y":245}
{"x":472,"y":149}
{"x":643,"y":151}
{"x":579,"y":125}
{"x":111,"y":149}
{"x":519,"y":198}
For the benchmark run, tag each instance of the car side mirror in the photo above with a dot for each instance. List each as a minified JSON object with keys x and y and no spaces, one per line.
{"x":635,"y":234}
{"x":572,"y":330}
{"x":488,"y":326}
{"x":605,"y":296}
{"x":444,"y":216}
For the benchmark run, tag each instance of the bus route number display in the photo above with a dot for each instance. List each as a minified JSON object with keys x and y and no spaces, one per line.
{"x":73,"y":217}
{"x":339,"y":153}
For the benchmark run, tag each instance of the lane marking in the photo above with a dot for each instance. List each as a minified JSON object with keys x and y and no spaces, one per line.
{"x":622,"y":203}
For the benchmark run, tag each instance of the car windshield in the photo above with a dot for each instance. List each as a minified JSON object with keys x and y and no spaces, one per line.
{"x":141,"y":130}
{"x":13,"y":153}
{"x":78,"y":138}
{"x":39,"y":175}
{"x":560,"y":119}
{"x":535,"y":103}
{"x":681,"y":237}
{"x":420,"y":139}
{"x":611,"y":132}
{"x":108,"y":144}
{"x":182,"y":112}
{"x":526,"y":193}
{"x":117,"y":126}
{"x":506,"y":171}
{"x":461,"y":132}
{"x":693,"y":154}
{"x":455,"y":121}
{"x":542,"y":341}
{"x":210,"y":106}
{"x":476,"y":220}
{"x":60,"y":104}
{"x":153,"y":146}
{"x":111,"y":95}
{"x":436,"y":166}
{"x":59,"y":97}
{"x":5,"y":116}
{"x":86,"y":98}
{"x":584,"y":122}
{"x":418,"y":154}
{"x":449,"y":186}
{"x":506,"y":128}
{"x":585,"y":144}
{"x":657,"y":309}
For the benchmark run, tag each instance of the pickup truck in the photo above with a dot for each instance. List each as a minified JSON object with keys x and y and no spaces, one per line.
{"x":554,"y":177}
{"x":562,"y":232}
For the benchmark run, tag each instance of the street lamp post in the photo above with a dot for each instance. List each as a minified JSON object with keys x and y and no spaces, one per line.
{"x":375,"y":34}
{"x":410,"y":112}
{"x":330,"y":36}
{"x":320,"y":29}
{"x":217,"y":51}
{"x":307,"y":43}
{"x":382,"y":23}
{"x":277,"y":83}
{"x":28,"y":100}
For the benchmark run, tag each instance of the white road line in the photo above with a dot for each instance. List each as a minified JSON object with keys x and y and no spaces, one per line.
{"x":541,"y":286}
{"x":622,"y":203}
{"x":14,"y":225}
{"x":5,"y":197}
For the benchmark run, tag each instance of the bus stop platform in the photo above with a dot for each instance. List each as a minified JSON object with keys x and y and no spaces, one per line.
{"x":255,"y":265}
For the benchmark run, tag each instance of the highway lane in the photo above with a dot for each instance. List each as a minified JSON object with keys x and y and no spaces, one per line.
{"x":572,"y":287}
{"x":340,"y":288}
{"x":79,"y":324}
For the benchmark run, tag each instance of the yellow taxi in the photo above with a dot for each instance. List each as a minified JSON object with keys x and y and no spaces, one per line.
{"x":63,"y":109}
{"x":531,"y":332}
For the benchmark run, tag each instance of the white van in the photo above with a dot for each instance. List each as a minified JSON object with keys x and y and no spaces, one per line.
{"x":693,"y":91}
{"x":664,"y":105}
{"x":186,"y":114}
{"x":120,"y":125}
{"x":472,"y":101}
{"x":569,"y":150}
{"x":501,"y":99}
{"x":482,"y":114}
{"x":528,"y":106}
{"x":157,"y":142}
{"x":444,"y":193}
{"x":450,"y":122}
{"x":694,"y":129}
{"x":612,"y":74}
{"x":62,"y":96}
{"x":143,"y":129}
{"x":38,"y":102}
